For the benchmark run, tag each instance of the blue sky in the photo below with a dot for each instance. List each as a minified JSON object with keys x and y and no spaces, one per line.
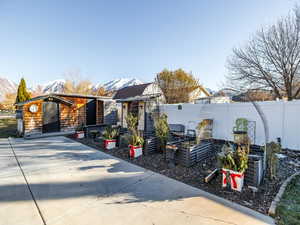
{"x":41,"y":40}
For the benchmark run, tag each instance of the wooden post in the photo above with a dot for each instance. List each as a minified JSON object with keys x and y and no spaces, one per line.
{"x":141,"y":116}
{"x":124,"y":114}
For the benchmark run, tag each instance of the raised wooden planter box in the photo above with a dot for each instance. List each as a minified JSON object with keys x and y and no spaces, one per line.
{"x":151,"y":145}
{"x":254,"y":172}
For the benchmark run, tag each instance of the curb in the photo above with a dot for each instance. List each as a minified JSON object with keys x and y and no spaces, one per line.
{"x":272,"y":209}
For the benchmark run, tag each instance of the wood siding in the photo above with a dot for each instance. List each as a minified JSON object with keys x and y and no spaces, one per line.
{"x":70,"y":116}
{"x":100,"y":113}
{"x":33,"y":122}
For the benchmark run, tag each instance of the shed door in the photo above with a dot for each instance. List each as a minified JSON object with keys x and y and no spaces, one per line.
{"x":51,"y":117}
{"x":91,"y":112}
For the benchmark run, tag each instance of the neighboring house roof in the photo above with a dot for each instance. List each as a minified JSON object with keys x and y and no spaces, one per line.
{"x":58,"y":98}
{"x":131,"y":91}
{"x":139,"y":98}
{"x":204,"y":90}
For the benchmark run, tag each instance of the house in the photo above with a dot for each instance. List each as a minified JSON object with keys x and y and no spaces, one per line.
{"x":63,"y":113}
{"x":222,"y":96}
{"x":213,"y":99}
{"x":199,"y":93}
{"x":140,"y":100}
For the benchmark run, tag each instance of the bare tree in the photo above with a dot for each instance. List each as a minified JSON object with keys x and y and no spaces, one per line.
{"x":75,"y":84}
{"x":270,"y":61}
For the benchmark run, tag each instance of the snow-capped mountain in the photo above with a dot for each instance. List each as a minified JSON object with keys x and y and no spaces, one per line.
{"x":119,"y":83}
{"x":6,"y":86}
{"x":55,"y":86}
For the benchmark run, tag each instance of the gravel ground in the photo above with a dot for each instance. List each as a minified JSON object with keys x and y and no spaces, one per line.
{"x":194,"y":176}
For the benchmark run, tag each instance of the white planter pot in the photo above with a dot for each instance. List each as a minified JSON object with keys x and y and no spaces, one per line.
{"x":79,"y":134}
{"x":135,"y":151}
{"x":109,"y":144}
{"x":236,"y":180}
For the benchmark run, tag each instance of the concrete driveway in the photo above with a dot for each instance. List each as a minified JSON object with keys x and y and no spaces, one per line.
{"x":59,"y":181}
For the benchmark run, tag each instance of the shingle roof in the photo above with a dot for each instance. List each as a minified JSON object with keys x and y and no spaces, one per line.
{"x":131,"y":91}
{"x":58,"y":97}
{"x":45,"y":97}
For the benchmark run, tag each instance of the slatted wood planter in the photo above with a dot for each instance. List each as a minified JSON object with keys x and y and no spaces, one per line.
{"x":254,"y":172}
{"x":189,"y":156}
{"x":256,"y":150}
{"x":151,"y":145}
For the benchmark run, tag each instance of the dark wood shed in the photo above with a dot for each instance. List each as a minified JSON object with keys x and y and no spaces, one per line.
{"x":63,"y":113}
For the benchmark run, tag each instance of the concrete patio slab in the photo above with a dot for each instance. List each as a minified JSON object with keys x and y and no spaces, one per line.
{"x":75,"y":184}
{"x":12,"y":209}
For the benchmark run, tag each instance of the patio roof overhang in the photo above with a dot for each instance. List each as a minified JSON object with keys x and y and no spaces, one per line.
{"x":53,"y":98}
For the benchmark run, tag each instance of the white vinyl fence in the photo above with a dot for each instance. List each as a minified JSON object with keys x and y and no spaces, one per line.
{"x":282,"y":118}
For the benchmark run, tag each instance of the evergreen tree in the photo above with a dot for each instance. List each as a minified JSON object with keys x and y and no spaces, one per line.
{"x":22,"y":94}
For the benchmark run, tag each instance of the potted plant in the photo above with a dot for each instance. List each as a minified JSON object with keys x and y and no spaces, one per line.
{"x":79,"y":133}
{"x":162,"y":132}
{"x":204,"y":130}
{"x":234,"y":160}
{"x":135,"y":146}
{"x":136,"y":141}
{"x":109,"y":136}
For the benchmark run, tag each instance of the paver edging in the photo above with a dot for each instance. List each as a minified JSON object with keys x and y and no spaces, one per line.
{"x":272,"y":209}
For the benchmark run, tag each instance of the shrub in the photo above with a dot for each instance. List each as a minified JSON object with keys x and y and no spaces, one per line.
{"x":110,"y":133}
{"x":132,"y":122}
{"x":272,"y":160}
{"x":162,"y":128}
{"x":136,"y":140}
{"x":234,"y":157}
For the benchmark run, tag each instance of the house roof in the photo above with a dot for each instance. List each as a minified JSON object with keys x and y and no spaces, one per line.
{"x":204,"y":90}
{"x":139,"y":98}
{"x":81,"y":96}
{"x":131,"y":91}
{"x":45,"y":97}
{"x":57,"y":97}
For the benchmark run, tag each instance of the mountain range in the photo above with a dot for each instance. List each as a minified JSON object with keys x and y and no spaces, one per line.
{"x":57,"y":86}
{"x":6,"y":86}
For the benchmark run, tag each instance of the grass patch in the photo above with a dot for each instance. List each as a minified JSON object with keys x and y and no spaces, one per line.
{"x":8,"y":127}
{"x":288,"y":209}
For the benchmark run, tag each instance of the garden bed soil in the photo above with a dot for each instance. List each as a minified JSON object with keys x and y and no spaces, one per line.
{"x":259,"y":200}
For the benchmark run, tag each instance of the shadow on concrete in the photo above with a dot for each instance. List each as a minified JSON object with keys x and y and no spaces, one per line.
{"x":134,"y":185}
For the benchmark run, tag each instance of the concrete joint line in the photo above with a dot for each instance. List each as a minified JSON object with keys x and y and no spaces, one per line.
{"x":27,"y":183}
